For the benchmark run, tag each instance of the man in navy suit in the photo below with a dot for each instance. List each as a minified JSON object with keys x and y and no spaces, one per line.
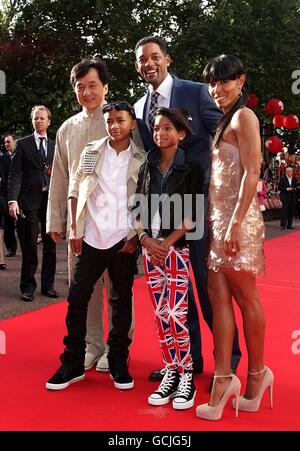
{"x":28,"y":184}
{"x":9,"y":223}
{"x":287,"y":187}
{"x":152,"y":63}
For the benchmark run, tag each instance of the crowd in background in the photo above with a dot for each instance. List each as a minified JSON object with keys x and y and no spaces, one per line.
{"x":268,"y":188}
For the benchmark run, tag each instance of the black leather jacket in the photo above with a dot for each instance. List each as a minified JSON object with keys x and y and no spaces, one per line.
{"x":186,"y":177}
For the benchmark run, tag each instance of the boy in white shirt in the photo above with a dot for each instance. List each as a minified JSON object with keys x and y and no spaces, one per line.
{"x":101,"y":237}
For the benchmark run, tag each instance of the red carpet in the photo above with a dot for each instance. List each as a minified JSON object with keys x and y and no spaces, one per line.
{"x":34,"y":342}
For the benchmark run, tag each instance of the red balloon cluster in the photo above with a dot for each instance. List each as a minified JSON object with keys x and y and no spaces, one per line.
{"x":290,"y":121}
{"x":274,"y":144}
{"x":274,"y":107}
{"x":252,"y":100}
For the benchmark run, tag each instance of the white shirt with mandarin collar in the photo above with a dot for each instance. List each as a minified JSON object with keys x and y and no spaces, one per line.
{"x":164,"y":90}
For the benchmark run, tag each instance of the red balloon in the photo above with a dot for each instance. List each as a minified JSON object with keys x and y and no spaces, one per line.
{"x":278,"y":120}
{"x":274,"y":106}
{"x":252,"y":100}
{"x":274,"y":144}
{"x":291,"y":121}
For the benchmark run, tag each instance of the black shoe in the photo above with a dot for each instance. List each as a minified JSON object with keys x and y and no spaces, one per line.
{"x":166,"y":390}
{"x":282,"y":228}
{"x":65,"y":376}
{"x":51,"y":293}
{"x":186,"y":392}
{"x":290,"y":227}
{"x":11,"y":254}
{"x":118,"y":368}
{"x":2,"y":266}
{"x":157,"y":375}
{"x":27,"y":296}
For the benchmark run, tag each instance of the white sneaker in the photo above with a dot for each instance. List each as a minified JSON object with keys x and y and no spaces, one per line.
{"x":102,"y":364}
{"x":90,"y":360}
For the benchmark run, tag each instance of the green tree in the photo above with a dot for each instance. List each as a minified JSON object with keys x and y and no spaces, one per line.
{"x":263,"y":35}
{"x":48,"y":38}
{"x":41,"y":40}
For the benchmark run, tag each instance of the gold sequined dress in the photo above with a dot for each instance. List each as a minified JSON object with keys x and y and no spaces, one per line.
{"x":225,"y":179}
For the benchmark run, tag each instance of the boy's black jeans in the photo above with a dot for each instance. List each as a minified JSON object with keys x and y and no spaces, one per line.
{"x":88,"y":268}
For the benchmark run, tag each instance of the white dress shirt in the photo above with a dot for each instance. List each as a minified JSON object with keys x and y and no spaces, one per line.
{"x":164,"y":90}
{"x":107,"y":219}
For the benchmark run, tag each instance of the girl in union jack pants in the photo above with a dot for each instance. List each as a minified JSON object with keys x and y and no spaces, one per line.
{"x":165,"y":208}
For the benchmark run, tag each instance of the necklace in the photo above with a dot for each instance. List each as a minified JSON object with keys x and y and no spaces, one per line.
{"x":166,"y":170}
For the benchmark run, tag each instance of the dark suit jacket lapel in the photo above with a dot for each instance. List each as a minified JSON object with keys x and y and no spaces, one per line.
{"x":175,"y":92}
{"x":33,"y":149}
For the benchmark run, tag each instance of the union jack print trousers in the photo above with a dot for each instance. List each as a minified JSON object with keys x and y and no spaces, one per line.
{"x":168,"y":289}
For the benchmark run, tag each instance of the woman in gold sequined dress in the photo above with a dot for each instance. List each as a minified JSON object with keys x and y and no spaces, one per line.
{"x":236,"y":254}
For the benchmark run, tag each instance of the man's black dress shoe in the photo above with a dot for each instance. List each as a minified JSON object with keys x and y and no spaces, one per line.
{"x":3,"y":266}
{"x":11,"y":254}
{"x":27,"y":296}
{"x":157,"y":375}
{"x":51,"y":293}
{"x":290,"y":227}
{"x":282,"y":228}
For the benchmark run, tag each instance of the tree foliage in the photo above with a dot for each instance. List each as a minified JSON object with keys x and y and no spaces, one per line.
{"x":40,"y":40}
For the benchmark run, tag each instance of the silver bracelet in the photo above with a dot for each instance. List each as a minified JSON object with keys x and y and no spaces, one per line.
{"x":142,"y":237}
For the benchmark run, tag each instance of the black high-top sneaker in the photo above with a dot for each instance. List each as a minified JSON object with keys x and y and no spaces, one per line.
{"x":64,"y":376}
{"x":166,"y":390}
{"x":118,"y":367}
{"x":186,"y":392}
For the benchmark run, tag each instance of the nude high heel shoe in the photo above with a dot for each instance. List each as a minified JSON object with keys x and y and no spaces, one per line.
{"x":252,"y":405}
{"x":208,"y":412}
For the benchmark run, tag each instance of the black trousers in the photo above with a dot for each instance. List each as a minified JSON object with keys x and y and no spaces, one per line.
{"x":88,"y":268}
{"x":9,"y":233}
{"x":28,"y":230}
{"x":287,"y":212}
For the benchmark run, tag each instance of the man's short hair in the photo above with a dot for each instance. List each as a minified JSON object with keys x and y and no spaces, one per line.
{"x":9,"y":134}
{"x":81,"y":69}
{"x":40,"y":107}
{"x":156,"y":40}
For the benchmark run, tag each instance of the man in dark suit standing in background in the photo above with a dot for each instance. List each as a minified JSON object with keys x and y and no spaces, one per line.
{"x":28,"y":185}
{"x":287,"y":187}
{"x":9,"y":223}
{"x":152,"y":63}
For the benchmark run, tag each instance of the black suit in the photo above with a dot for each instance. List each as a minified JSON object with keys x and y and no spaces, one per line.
{"x":288,"y":199}
{"x":28,"y":178}
{"x":9,"y":223}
